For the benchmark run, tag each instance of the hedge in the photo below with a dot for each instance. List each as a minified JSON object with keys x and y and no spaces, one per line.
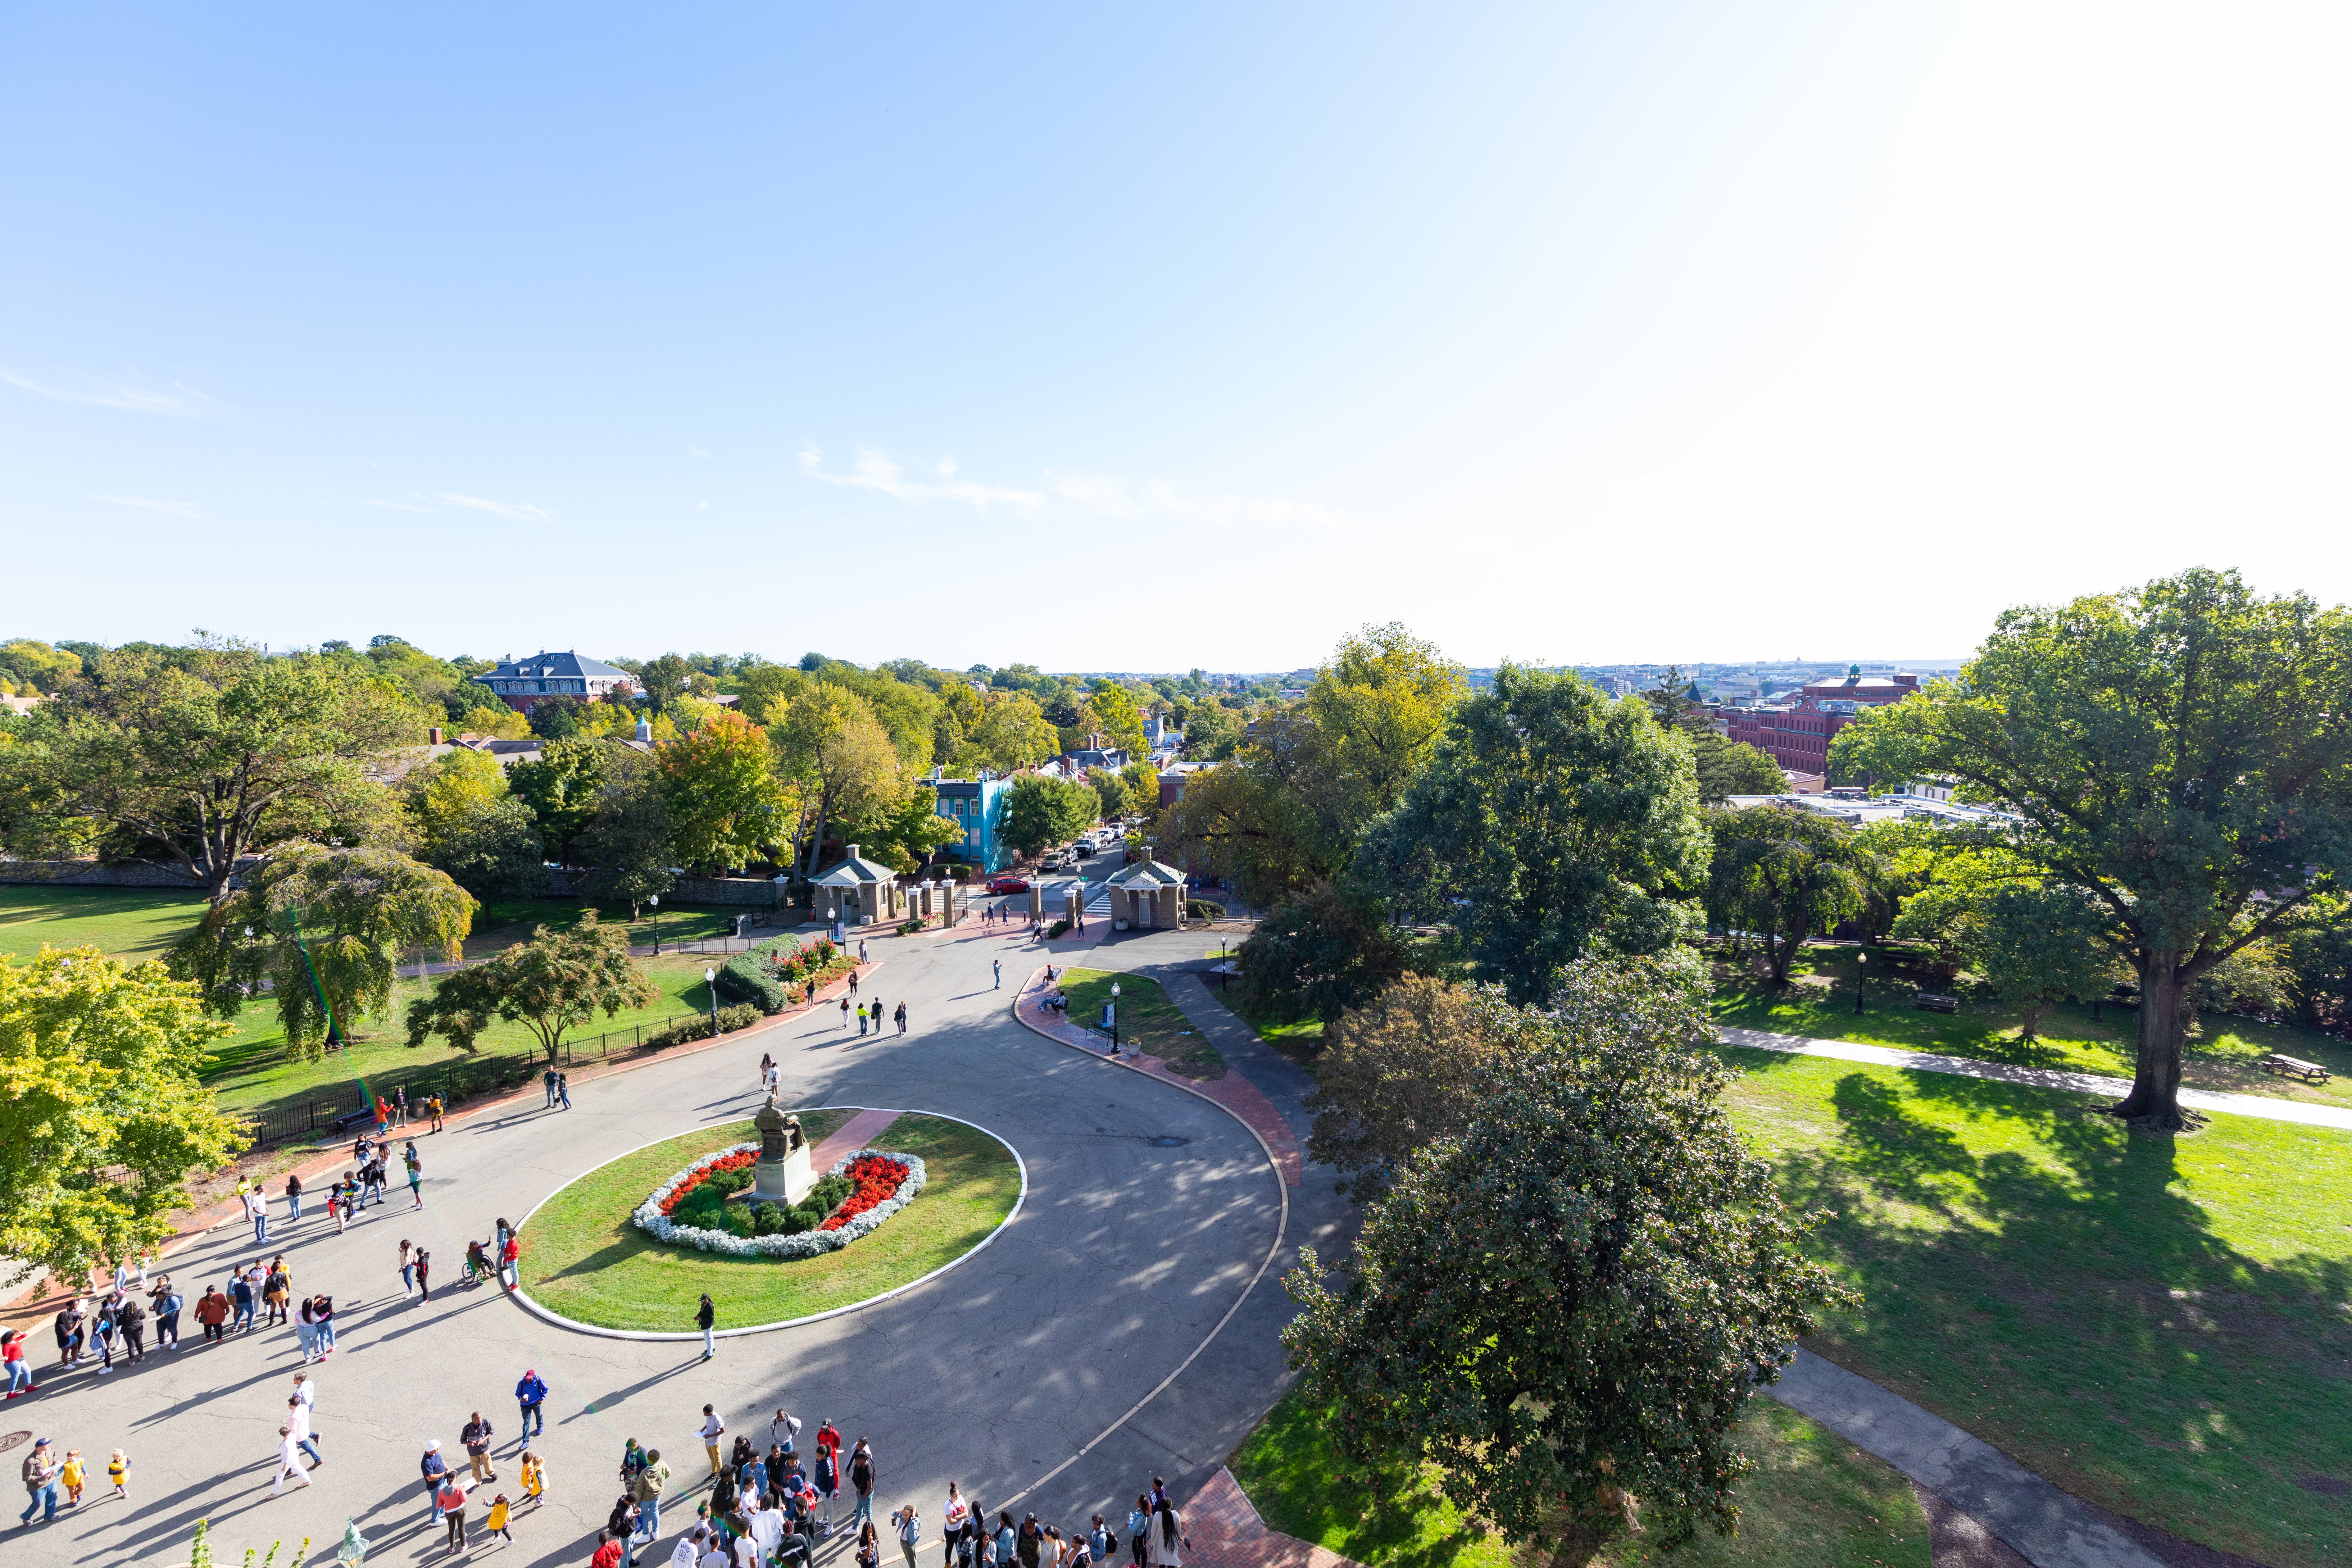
{"x":760,"y":977}
{"x":741,"y":1016}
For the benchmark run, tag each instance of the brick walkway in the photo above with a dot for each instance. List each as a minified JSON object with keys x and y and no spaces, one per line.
{"x":1232,"y":1091}
{"x":855,"y":1134}
{"x":1227,"y":1532}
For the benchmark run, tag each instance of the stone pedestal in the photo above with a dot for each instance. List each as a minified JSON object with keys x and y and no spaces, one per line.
{"x":782,"y":1174}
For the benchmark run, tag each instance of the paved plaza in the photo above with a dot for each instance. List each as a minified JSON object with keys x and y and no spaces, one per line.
{"x":1150,"y":1213}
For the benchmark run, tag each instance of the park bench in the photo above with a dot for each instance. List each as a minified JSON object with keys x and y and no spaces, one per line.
{"x":2294,"y":1066}
{"x":365,"y":1113}
{"x":1935,"y":1001}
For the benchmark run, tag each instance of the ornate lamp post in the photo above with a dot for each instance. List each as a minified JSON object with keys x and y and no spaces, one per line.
{"x":1860,"y":955}
{"x":710,"y":979}
{"x":653,"y":901}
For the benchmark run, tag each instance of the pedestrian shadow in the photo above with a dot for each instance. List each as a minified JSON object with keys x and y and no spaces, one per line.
{"x":596,"y":1405}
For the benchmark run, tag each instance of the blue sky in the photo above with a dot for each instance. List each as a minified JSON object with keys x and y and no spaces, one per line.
{"x":1145,"y":338}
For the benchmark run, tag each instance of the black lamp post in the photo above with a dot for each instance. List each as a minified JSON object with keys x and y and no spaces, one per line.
{"x":1860,"y":955}
{"x":653,"y":901}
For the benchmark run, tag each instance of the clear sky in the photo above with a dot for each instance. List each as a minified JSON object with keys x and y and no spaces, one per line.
{"x":1143,"y":337}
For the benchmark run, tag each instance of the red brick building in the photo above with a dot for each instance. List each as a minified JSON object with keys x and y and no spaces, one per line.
{"x":1797,"y":733}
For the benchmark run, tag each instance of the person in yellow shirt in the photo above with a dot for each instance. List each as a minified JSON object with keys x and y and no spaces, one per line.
{"x":118,"y":1471}
{"x":496,"y":1523}
{"x":534,"y":1476}
{"x":71,"y":1477}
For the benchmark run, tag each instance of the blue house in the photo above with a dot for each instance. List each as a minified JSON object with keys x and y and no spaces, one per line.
{"x":977,"y":806}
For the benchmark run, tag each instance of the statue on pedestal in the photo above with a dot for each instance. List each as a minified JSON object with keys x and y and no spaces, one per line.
{"x":782,"y":1174}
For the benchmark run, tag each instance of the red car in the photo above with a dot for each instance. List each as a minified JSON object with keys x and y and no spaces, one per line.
{"x":1008,"y":884}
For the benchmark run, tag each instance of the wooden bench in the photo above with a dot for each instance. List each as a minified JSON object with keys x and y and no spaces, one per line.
{"x":1935,"y":1002}
{"x":2293,"y":1067}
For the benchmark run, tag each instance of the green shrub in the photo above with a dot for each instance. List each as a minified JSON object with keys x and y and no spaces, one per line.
{"x":743,"y":1016}
{"x":911,"y":927}
{"x":1204,"y":910}
{"x":750,"y":977}
{"x":1057,"y":927}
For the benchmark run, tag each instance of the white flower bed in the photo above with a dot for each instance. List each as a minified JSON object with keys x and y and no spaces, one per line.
{"x":650,"y":1219}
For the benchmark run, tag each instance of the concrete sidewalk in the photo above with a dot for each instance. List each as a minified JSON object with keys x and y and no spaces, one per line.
{"x":2256,"y":1105}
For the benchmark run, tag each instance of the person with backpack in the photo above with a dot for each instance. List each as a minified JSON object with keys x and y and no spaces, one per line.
{"x":1168,"y":1543}
{"x":650,"y":1484}
{"x":1104,"y":1542}
{"x":828,"y":1471}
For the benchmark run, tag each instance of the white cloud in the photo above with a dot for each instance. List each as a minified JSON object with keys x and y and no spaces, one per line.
{"x":523,"y":509}
{"x":404,"y":506}
{"x":183,"y":401}
{"x":175,"y":507}
{"x":876,"y":470}
{"x":1114,"y":497}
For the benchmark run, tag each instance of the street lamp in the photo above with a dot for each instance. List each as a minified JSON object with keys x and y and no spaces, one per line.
{"x":653,"y":901}
{"x":710,"y":979}
{"x":1114,"y":1016}
{"x":1860,"y":955}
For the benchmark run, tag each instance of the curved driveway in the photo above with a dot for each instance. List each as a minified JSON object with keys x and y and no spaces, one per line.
{"x":1150,"y":1213}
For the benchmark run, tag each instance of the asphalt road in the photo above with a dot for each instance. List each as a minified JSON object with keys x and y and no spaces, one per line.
{"x":1150,"y":1213}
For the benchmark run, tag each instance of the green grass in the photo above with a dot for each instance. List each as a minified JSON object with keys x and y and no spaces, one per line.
{"x":1819,"y":1002}
{"x":2159,"y":1324}
{"x":582,"y":1258}
{"x":1301,"y":1042}
{"x":129,"y":922}
{"x":251,"y":1073}
{"x":1147,"y":1020}
{"x":1814,"y":1501}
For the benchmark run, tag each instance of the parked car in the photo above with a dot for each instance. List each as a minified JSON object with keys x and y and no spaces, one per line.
{"x":1082,"y":849}
{"x":1008,"y":884}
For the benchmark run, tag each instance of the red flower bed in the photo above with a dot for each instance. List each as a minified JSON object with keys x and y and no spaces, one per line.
{"x":733,"y":1163}
{"x":878,"y":1181}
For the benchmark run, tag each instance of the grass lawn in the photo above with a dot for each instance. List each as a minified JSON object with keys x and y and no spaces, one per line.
{"x":2159,"y":1324}
{"x":1146,"y":1019}
{"x":1819,"y":1002}
{"x":1302,"y":1042}
{"x":1814,"y":1501}
{"x":251,"y":1073}
{"x":582,"y":1258}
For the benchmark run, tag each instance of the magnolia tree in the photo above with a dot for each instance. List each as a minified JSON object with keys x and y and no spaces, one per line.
{"x":1575,"y":1296}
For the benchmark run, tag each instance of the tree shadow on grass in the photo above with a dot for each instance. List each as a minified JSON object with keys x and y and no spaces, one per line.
{"x":2044,"y":1278}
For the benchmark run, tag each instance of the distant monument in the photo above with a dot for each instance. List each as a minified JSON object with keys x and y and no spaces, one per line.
{"x":782,"y":1174}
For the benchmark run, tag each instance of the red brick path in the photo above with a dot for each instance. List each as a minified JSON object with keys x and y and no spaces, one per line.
{"x":1227,"y":1533}
{"x":1232,"y":1091}
{"x":855,"y":1134}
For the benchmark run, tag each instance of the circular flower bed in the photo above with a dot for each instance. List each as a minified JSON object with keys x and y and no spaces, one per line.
{"x":879,"y":1183}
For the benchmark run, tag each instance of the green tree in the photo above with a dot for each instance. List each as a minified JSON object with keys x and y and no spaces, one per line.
{"x":1317,"y":956}
{"x":1575,"y":1296}
{"x":1381,"y":702}
{"x":491,"y":848}
{"x":551,"y":983}
{"x":1111,"y":796}
{"x":1401,"y":1070}
{"x":904,"y":834}
{"x":1278,"y":821}
{"x":1041,"y":810}
{"x":102,"y":1115}
{"x":28,"y":665}
{"x":560,"y":787}
{"x":2038,"y":945}
{"x":727,"y":807}
{"x":665,"y":680}
{"x":626,"y":844}
{"x":1116,"y":717}
{"x":327,"y":929}
{"x":1727,"y":767}
{"x":1569,"y":823}
{"x":1784,"y":875}
{"x":2180,"y":753}
{"x":208,"y":757}
{"x":1010,"y":735}
{"x":843,"y":760}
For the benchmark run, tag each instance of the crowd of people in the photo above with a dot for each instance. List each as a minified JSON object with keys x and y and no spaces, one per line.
{"x":773,"y":1507}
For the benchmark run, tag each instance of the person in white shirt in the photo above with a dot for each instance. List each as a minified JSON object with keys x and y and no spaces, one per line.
{"x":298,"y":1417}
{"x":768,"y":1530}
{"x":713,"y":1428}
{"x":784,"y":1429}
{"x":688,"y":1553}
{"x":289,"y":1462}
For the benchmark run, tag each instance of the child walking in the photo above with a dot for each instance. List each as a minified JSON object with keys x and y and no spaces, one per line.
{"x":118,"y":1471}
{"x":72,"y":1476}
{"x":496,"y":1524}
{"x":534,"y":1477}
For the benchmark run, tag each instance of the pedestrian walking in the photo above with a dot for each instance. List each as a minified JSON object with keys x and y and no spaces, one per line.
{"x":953,"y":1518}
{"x":495,"y":1522}
{"x":40,"y":1475}
{"x":293,"y":1196}
{"x":339,"y":1205}
{"x":510,"y":1258}
{"x":69,"y":1476}
{"x":870,"y":1548}
{"x":563,"y":1089}
{"x":424,"y":1275}
{"x":713,"y":1428}
{"x":101,"y":1334}
{"x":297,"y":1422}
{"x":435,"y":1470}
{"x":997,"y":966}
{"x":322,"y":1317}
{"x":407,"y":1270}
{"x":705,"y":1318}
{"x":274,"y":1286}
{"x":651,"y":1482}
{"x":211,"y":1314}
{"x":451,"y":1501}
{"x":256,"y":1205}
{"x":845,"y":1012}
{"x":131,"y":1319}
{"x":71,"y":1328}
{"x":118,"y":1471}
{"x":18,"y":1367}
{"x":902,"y":1018}
{"x":289,"y":1462}
{"x":767,"y":1066}
{"x":166,"y":1300}
{"x":530,"y":1393}
{"x":1169,"y":1544}
{"x":548,"y":1078}
{"x":399,"y":1105}
{"x":534,"y":1477}
{"x":415,"y":1177}
{"x":307,"y":1394}
{"x":1139,"y":1524}
{"x":608,"y":1553}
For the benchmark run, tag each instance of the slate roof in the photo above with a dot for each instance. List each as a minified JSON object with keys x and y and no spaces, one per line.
{"x":563,"y":665}
{"x":1146,"y":874}
{"x":853,"y":871}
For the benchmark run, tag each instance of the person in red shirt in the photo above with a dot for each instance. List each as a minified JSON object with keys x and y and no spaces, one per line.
{"x":828,"y":1438}
{"x":608,"y":1551}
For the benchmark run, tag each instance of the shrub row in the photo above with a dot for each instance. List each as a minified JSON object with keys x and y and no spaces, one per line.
{"x":743,"y":1016}
{"x":767,"y":976}
{"x":1204,"y":910}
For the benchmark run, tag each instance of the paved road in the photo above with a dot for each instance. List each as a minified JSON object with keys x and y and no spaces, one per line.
{"x":1127,"y":1253}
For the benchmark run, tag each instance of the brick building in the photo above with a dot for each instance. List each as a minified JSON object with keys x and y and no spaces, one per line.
{"x":1797,"y":733}
{"x":520,"y":682}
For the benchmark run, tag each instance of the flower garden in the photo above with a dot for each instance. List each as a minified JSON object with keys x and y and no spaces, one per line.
{"x":632,"y":1243}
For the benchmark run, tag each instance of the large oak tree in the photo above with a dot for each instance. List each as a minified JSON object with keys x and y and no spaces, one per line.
{"x":2180,"y":753}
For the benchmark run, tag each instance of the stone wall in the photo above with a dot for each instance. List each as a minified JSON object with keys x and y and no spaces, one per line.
{"x":93,"y":874}
{"x":733,"y":892}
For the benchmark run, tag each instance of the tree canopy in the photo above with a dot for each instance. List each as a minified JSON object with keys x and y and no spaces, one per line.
{"x":1040,"y":810}
{"x":1575,"y":1296}
{"x":2180,"y":753}
{"x":1563,"y":822}
{"x":205,"y":756}
{"x":727,"y":807}
{"x":100,"y":1112}
{"x":1782,"y":874}
{"x":551,"y":983}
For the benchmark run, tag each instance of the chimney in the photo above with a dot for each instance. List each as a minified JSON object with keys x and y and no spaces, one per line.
{"x":1150,"y":853}
{"x":853,"y":852}
{"x":433,"y":735}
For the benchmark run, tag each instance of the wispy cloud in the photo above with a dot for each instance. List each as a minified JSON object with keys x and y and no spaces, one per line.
{"x":401,"y":505}
{"x":183,"y":401}
{"x":175,"y":507}
{"x":1114,"y":497}
{"x":876,"y":470}
{"x":523,"y":509}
